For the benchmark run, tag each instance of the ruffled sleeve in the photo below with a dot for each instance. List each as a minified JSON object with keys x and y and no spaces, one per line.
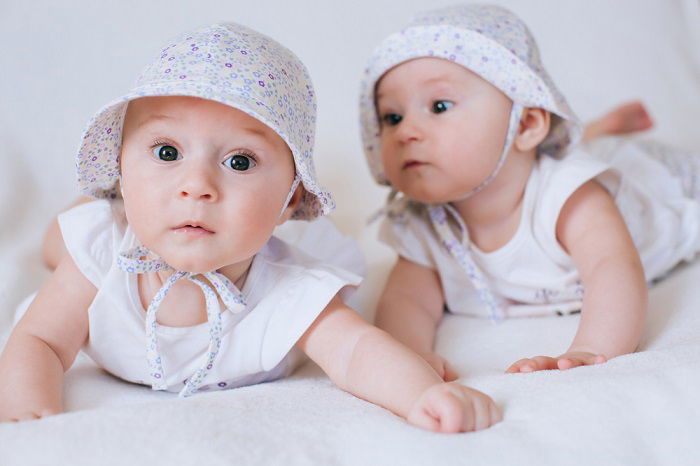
{"x":295,"y":289}
{"x":90,"y":234}
{"x":408,"y":233}
{"x":559,"y":180}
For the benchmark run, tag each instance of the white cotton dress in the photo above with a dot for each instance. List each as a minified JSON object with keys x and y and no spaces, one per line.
{"x":532,"y":274}
{"x":285,"y":290}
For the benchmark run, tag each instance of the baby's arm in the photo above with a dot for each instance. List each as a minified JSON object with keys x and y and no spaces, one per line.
{"x":594,"y":233}
{"x":368,"y":363}
{"x":410,"y":309}
{"x":44,"y":344}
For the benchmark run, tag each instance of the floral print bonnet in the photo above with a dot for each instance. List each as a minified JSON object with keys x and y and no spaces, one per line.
{"x":497,"y":46}
{"x":236,"y":66}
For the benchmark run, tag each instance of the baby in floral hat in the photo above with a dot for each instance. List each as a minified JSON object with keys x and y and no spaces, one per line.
{"x":173,"y":279}
{"x":496,"y":209}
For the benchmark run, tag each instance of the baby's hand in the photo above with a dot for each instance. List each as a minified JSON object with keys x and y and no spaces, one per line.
{"x":565,"y":361}
{"x":441,"y":366}
{"x":19,"y":413}
{"x":451,"y":408}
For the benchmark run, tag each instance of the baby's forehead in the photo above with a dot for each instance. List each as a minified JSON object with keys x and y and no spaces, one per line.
{"x":178,"y":107}
{"x":427,"y":71}
{"x":186,"y":110}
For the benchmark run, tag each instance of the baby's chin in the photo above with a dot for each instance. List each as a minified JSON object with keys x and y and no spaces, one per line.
{"x":431,"y":196}
{"x":194,"y":266}
{"x":193,"y":263}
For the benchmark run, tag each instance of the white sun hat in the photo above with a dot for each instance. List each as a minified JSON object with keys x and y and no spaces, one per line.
{"x":226,"y":63}
{"x":489,"y":41}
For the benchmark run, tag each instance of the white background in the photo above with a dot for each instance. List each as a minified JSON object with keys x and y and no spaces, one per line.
{"x":60,"y":61}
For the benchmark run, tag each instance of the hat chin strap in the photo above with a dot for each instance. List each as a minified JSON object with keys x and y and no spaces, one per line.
{"x":295,"y":184}
{"x":459,"y":247}
{"x":137,"y":261}
{"x":513,"y":125}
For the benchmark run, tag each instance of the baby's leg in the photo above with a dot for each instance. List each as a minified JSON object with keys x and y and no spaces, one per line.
{"x":627,"y":118}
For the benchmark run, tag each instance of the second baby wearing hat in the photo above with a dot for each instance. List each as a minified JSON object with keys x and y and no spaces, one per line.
{"x":496,"y":210}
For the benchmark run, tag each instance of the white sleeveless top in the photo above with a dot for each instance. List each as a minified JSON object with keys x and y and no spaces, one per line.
{"x":285,"y":291}
{"x":532,"y":274}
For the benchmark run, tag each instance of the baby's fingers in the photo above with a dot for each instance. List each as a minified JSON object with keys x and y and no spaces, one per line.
{"x":517,"y":365}
{"x":582,"y":359}
{"x":480,"y":410}
{"x":439,"y":411}
{"x":495,"y":413}
{"x":31,"y":415}
{"x":482,"y":414}
{"x":538,"y":363}
{"x":454,"y":414}
{"x":450,"y":375}
{"x":424,"y":419}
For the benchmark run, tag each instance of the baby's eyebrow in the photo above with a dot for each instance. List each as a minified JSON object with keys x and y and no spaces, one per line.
{"x":157,"y":117}
{"x":440,"y":82}
{"x":255,"y":131}
{"x":153,"y":118}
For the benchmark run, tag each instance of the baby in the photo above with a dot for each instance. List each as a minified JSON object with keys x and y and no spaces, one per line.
{"x":210,"y":151}
{"x":503,"y":214}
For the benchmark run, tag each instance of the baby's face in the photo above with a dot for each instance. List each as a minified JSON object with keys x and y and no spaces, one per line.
{"x":203,"y":183}
{"x":442,"y":128}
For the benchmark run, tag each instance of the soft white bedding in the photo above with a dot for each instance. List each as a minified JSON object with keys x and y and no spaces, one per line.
{"x":637,"y":409}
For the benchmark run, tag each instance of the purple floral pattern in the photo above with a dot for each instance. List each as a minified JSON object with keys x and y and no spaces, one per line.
{"x":488,"y":40}
{"x":218,"y":62}
{"x":131,"y":262}
{"x":496,"y":45}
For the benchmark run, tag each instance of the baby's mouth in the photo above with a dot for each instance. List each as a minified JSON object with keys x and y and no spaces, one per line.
{"x":193,"y":228}
{"x":412,"y":164}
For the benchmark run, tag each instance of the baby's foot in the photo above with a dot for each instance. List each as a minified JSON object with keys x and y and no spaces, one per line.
{"x":627,"y":118}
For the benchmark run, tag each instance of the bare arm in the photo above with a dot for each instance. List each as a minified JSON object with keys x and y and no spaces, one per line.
{"x":369,"y":363}
{"x":44,"y":344}
{"x":592,"y":231}
{"x":53,"y":249}
{"x":411,"y":308}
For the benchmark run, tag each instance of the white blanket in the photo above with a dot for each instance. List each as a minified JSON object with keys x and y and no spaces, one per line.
{"x":642,"y":408}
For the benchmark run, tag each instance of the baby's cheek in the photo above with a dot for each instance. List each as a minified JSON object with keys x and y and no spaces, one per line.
{"x":253,"y":223}
{"x":391,"y":170}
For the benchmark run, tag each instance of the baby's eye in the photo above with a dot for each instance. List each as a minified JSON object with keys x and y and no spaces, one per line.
{"x":165,"y":153}
{"x":392,"y":119}
{"x":240,"y":162}
{"x":440,"y":106}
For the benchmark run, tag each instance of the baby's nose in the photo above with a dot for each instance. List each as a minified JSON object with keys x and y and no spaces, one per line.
{"x":199,"y":185}
{"x":409,"y":130}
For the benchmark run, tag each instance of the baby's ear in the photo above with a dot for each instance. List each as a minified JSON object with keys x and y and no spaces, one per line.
{"x":293,"y":204}
{"x":534,"y":127}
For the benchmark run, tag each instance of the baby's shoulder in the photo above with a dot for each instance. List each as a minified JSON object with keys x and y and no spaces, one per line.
{"x":92,"y":233}
{"x":95,"y":216}
{"x":556,"y":179}
{"x":579,"y":160}
{"x":281,"y":264}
